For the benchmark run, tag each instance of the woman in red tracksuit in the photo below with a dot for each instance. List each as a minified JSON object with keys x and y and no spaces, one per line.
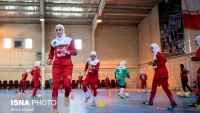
{"x":107,"y":81}
{"x":62,"y":48}
{"x":92,"y":78}
{"x":160,"y":76}
{"x":143,"y":78}
{"x":80,"y":80}
{"x":36,"y":76}
{"x":197,"y":58}
{"x":23,"y":81}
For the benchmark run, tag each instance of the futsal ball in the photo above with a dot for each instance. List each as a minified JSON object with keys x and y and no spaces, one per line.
{"x":144,"y":91}
{"x":181,"y":95}
{"x":178,"y":93}
{"x":39,"y":96}
{"x":187,"y":94}
{"x":126,"y":95}
{"x":139,"y":91}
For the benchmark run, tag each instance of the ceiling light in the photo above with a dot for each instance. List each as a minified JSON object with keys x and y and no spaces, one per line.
{"x":41,"y":19}
{"x":99,"y":21}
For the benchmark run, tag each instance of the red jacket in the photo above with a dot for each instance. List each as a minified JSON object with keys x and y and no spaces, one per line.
{"x":24,"y":76}
{"x":80,"y":79}
{"x":107,"y":80}
{"x":61,"y":58}
{"x":197,"y":58}
{"x":36,"y":74}
{"x":93,"y":71}
{"x":161,"y":70}
{"x":143,"y":77}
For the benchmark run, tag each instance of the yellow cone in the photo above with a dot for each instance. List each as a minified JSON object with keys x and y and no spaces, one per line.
{"x":101,"y":104}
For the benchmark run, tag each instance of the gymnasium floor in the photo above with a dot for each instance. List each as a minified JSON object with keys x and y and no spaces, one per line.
{"x":113,"y":105}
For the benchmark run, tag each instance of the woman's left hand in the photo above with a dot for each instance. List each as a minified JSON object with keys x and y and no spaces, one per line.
{"x":64,"y":50}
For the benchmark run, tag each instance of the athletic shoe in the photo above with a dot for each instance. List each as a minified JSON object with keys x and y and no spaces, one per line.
{"x":121,"y":95}
{"x":93,"y":103}
{"x":197,"y":105}
{"x":87,"y":98}
{"x":192,"y":105}
{"x":55,"y":111}
{"x":148,"y":103}
{"x":34,"y":97}
{"x":172,"y":106}
{"x":67,"y":101}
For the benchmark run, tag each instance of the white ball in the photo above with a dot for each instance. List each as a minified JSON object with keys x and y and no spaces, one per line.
{"x":187,"y":94}
{"x":178,"y":93}
{"x":181,"y":94}
{"x":126,"y":95}
{"x":144,"y":91}
{"x":139,"y":91}
{"x":39,"y":96}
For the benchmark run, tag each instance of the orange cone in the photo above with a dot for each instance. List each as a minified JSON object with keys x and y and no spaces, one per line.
{"x":19,"y":96}
{"x":72,"y":95}
{"x":109,"y":94}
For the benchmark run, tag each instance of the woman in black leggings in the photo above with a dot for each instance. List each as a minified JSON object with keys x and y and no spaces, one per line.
{"x":184,"y":78}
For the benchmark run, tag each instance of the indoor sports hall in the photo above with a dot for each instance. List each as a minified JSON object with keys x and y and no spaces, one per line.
{"x":99,"y":56}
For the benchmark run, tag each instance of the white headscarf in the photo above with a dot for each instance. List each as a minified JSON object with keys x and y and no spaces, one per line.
{"x":122,"y":63}
{"x":142,"y":72}
{"x":198,"y":40}
{"x":93,"y":62}
{"x":63,"y":33}
{"x":79,"y":74}
{"x":37,"y":63}
{"x":156,"y":49}
{"x":93,"y":53}
{"x":28,"y":70}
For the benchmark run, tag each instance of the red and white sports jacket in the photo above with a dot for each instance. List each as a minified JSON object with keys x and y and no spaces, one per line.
{"x":161,"y":70}
{"x":197,"y":58}
{"x":93,"y":71}
{"x":57,"y":46}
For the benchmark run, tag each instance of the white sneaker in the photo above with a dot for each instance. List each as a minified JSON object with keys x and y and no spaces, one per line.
{"x":87,"y":98}
{"x":55,"y":111}
{"x":93,"y":103}
{"x":67,"y":101}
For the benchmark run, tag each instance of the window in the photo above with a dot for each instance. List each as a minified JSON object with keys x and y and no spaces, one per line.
{"x":78,"y":43}
{"x":7,"y":43}
{"x":18,"y":43}
{"x":28,"y":43}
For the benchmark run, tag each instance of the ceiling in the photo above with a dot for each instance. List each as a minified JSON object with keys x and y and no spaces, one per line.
{"x":75,"y":12}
